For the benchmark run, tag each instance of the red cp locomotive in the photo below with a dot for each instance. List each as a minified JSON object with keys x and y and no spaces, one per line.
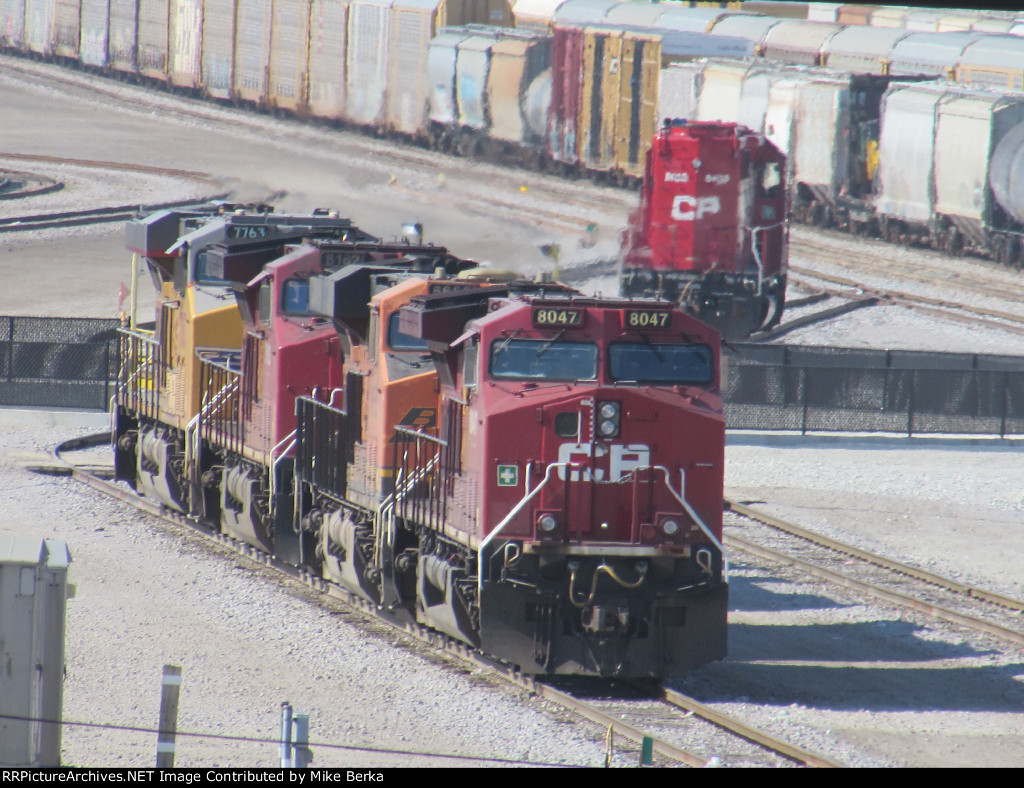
{"x":710,"y":232}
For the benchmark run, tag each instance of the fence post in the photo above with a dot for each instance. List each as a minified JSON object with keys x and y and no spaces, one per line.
{"x":910,"y":403}
{"x":286,"y":736}
{"x":106,"y":374}
{"x":803,"y":400}
{"x":302,"y":756}
{"x":168,"y":717}
{"x":1006,"y":404}
{"x":10,"y":348}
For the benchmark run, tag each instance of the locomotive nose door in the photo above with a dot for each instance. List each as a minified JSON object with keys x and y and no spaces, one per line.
{"x":569,"y":442}
{"x":596,"y":468}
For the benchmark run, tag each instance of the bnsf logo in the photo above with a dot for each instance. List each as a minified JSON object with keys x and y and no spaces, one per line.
{"x":622,"y":460}
{"x":686,"y":208}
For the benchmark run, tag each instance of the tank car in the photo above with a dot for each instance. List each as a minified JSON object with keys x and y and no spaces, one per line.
{"x":710,"y":231}
{"x":567,"y":518}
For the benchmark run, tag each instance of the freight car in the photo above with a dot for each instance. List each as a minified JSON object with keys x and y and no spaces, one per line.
{"x":573,"y":87}
{"x":372,"y":430}
{"x":913,"y":161}
{"x":711,"y":229}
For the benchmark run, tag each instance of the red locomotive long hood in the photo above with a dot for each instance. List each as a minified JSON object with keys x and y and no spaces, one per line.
{"x":611,"y":461}
{"x":708,"y":203}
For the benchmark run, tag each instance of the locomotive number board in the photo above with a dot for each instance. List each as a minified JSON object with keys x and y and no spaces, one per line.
{"x":248,"y":231}
{"x":646,"y":318}
{"x":557,"y":317}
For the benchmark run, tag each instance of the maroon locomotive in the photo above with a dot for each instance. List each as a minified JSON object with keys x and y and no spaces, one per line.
{"x":710,"y":231}
{"x":570,"y":513}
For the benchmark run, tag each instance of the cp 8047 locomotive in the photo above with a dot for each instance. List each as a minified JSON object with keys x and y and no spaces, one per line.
{"x":527,"y":470}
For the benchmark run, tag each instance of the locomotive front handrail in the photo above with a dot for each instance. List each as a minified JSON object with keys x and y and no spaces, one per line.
{"x":757,"y":252}
{"x":696,"y":518}
{"x":511,"y":516}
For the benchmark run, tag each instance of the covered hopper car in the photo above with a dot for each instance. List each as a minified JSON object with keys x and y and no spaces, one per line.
{"x":579,"y":88}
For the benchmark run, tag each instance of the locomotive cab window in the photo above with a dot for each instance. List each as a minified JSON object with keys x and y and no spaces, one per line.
{"x":657,"y":362}
{"x":770,"y":182}
{"x":399,"y":341}
{"x":295,"y":297}
{"x":201,"y":275}
{"x":543,"y":359}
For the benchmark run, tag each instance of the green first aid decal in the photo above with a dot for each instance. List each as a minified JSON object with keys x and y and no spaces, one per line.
{"x":508,"y":475}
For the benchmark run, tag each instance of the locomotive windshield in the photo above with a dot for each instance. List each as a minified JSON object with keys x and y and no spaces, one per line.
{"x":201,"y":275}
{"x":295,"y":298}
{"x":543,"y":359}
{"x":657,"y":362}
{"x":399,"y":341}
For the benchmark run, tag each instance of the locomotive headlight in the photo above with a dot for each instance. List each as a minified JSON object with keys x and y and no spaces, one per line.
{"x":670,"y":527}
{"x":609,"y":414}
{"x":547,"y":523}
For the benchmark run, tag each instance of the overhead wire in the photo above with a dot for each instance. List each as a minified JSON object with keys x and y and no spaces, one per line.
{"x":275,"y":742}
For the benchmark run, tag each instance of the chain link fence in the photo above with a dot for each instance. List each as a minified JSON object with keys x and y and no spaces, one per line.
{"x":72,"y":363}
{"x":821,"y":389}
{"x":49,"y":362}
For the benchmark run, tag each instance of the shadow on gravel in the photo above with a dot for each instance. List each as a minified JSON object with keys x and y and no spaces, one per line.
{"x":860,"y":688}
{"x":752,"y":593}
{"x":809,"y":650}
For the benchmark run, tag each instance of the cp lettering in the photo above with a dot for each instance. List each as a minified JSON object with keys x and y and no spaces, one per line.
{"x":686,"y":208}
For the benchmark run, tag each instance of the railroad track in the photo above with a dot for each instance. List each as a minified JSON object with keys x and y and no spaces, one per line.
{"x":17,"y":185}
{"x":945,"y":308}
{"x":104,"y":214}
{"x":907,"y":586}
{"x":929,"y":268}
{"x":658,"y":721}
{"x":427,"y":171}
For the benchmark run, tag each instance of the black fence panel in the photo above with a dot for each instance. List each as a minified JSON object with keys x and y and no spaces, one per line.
{"x":57,"y":362}
{"x":73,"y":363}
{"x":843,"y":389}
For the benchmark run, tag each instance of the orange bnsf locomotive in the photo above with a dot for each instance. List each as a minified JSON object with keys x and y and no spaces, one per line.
{"x":532,"y":472}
